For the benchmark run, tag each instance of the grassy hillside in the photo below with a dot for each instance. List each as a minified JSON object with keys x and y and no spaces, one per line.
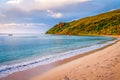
{"x":103,"y":24}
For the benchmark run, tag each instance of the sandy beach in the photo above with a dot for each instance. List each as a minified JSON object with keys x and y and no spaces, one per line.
{"x":101,"y":65}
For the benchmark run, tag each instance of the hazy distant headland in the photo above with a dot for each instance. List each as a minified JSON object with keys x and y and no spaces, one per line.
{"x":102,"y":24}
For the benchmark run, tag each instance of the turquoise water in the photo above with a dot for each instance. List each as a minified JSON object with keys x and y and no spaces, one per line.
{"x":39,"y":49}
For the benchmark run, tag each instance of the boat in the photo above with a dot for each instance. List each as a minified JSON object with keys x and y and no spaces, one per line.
{"x":10,"y":34}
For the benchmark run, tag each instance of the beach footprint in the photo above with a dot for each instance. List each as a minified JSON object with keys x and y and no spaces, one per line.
{"x":66,"y":78}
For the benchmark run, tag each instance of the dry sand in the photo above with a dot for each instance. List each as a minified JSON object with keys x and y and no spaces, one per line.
{"x":101,"y":65}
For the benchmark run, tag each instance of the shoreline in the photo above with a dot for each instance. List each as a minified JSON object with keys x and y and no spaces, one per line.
{"x":39,"y":70}
{"x":10,"y":69}
{"x":102,"y":64}
{"x":114,"y":36}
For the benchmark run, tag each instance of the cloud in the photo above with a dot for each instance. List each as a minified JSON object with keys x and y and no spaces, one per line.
{"x":113,"y":9}
{"x":54,"y":14}
{"x":22,"y":28}
{"x":14,"y":1}
{"x":35,"y":10}
{"x":2,"y":15}
{"x":21,"y":24}
{"x":30,"y":5}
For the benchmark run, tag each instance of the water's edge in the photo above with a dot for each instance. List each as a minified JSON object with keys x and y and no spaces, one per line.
{"x":9,"y":69}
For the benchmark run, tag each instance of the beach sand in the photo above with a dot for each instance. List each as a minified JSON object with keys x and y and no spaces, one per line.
{"x":101,"y":65}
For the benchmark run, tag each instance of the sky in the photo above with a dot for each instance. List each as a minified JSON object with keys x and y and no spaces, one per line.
{"x":37,"y":16}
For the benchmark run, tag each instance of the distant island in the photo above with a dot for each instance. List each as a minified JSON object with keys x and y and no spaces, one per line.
{"x":102,"y":24}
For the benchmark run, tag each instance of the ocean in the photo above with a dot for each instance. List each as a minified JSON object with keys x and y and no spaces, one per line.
{"x":21,"y":52}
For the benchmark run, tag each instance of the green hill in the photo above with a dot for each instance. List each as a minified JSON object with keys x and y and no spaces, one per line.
{"x":103,"y":24}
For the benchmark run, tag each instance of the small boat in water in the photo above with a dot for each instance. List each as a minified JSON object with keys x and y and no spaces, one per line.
{"x":10,"y":34}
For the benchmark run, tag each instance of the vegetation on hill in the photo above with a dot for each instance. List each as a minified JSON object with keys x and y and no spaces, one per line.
{"x":103,"y":24}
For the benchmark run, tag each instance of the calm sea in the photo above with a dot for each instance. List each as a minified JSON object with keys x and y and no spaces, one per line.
{"x":20,"y":52}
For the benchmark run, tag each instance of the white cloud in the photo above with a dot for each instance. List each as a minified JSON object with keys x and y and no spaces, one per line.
{"x":47,"y":2}
{"x":2,"y":15}
{"x":22,"y":28}
{"x":21,"y":24}
{"x":41,"y":4}
{"x":54,"y":14}
{"x":14,"y":1}
{"x":113,"y":9}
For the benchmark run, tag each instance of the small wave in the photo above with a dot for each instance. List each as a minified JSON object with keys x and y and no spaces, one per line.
{"x":6,"y":70}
